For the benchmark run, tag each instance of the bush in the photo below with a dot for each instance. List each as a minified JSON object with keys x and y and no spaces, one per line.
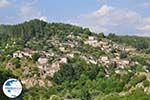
{"x":87,"y":31}
{"x":137,"y":79}
{"x":123,"y":55}
{"x":35,"y":56}
{"x":101,"y":35}
{"x":146,"y":83}
{"x":66,"y":72}
{"x":16,"y":62}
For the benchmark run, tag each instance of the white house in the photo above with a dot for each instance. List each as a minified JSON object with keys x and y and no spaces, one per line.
{"x":91,"y":38}
{"x":17,"y":54}
{"x":125,"y":62}
{"x":104,"y":58}
{"x":62,"y":49}
{"x":42,"y":61}
{"x":63,"y":60}
{"x":70,"y":55}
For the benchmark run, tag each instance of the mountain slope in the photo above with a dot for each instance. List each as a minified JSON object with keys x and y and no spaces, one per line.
{"x":62,"y":61}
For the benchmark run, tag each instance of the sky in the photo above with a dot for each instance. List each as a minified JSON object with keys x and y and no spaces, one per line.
{"x":123,"y":17}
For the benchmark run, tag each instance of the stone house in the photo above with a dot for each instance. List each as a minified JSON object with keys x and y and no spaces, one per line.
{"x":42,"y":61}
{"x":28,"y":52}
{"x":17,"y":54}
{"x":125,"y":62}
{"x":25,"y":53}
{"x":63,"y":60}
{"x":92,"y":41}
{"x":71,"y":55}
{"x":104,"y":58}
{"x":62,"y":49}
{"x":102,"y":43}
{"x":91,"y":38}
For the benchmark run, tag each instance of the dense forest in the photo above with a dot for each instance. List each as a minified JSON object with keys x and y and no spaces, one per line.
{"x":76,"y":79}
{"x":141,"y":43}
{"x":37,"y":29}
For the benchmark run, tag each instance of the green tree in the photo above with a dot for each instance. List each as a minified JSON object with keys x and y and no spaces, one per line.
{"x":16,"y":62}
{"x":87,"y":31}
{"x":101,"y":35}
{"x":123,"y":55}
{"x":35,"y":56}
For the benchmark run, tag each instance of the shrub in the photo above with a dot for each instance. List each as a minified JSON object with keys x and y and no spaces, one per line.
{"x":146,"y":83}
{"x":35,"y":56}
{"x":16,"y":62}
{"x":137,"y":79}
{"x":123,"y":55}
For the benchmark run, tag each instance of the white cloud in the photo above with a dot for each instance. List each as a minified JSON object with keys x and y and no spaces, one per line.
{"x":102,"y":11}
{"x":145,"y":5}
{"x":98,"y":0}
{"x":110,"y":19}
{"x":44,"y":18}
{"x":23,"y":11}
{"x":145,"y":28}
{"x":27,"y":12}
{"x":4,"y":3}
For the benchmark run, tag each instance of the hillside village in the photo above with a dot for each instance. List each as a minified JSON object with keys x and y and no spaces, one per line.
{"x":47,"y":69}
{"x":56,"y":61}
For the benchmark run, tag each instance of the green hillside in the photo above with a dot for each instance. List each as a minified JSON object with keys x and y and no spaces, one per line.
{"x":57,"y":61}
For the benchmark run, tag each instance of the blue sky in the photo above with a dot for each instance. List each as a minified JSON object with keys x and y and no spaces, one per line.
{"x":123,"y":17}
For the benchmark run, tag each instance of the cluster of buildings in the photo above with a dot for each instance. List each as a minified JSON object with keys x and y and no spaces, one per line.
{"x":48,"y":68}
{"x":109,"y":58}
